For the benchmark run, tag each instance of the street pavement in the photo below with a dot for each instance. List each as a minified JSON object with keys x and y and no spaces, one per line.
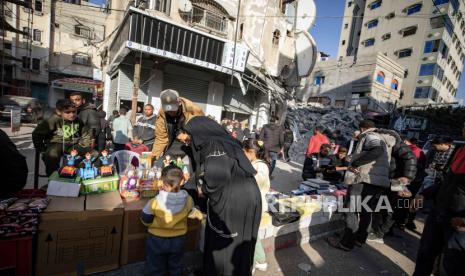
{"x":395,"y":257}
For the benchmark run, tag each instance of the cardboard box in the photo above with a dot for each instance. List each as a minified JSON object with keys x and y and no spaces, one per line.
{"x":67,"y":187}
{"x":80,"y":235}
{"x":135,"y":233}
{"x":100,"y":185}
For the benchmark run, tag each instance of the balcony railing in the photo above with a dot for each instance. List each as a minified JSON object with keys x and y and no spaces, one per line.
{"x":207,"y":19}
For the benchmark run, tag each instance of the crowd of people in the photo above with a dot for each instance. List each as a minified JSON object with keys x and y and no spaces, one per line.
{"x":232,"y":167}
{"x":380,"y":163}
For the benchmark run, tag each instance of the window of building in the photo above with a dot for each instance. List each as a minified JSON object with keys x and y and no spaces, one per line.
{"x":404,"y":53}
{"x":414,"y":8}
{"x":444,"y":50}
{"x":375,"y":5}
{"x":38,"y":6}
{"x":439,"y":73}
{"x":440,"y":2}
{"x":27,"y":31}
{"x":422,"y":92}
{"x":391,"y":15}
{"x":161,"y":5}
{"x":349,"y":4}
{"x":409,"y":31}
{"x":395,"y":84}
{"x":83,"y":31}
{"x":36,"y":64}
{"x":241,"y":31}
{"x":37,"y":35}
{"x":432,"y":46}
{"x":343,"y":42}
{"x":369,"y":42}
{"x":437,"y":22}
{"x":386,"y":36}
{"x":380,"y":76}
{"x":372,"y":23}
{"x":26,"y":62}
{"x":80,"y":58}
{"x":427,"y":69}
{"x":7,"y":46}
{"x":319,"y":80}
{"x":276,"y":36}
{"x":346,"y":26}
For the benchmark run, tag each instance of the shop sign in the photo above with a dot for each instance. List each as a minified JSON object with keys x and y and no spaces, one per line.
{"x":182,"y":58}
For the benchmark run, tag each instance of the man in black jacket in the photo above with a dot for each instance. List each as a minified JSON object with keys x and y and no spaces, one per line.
{"x":402,"y":170}
{"x":88,"y":115}
{"x":444,"y":230}
{"x":272,"y":136}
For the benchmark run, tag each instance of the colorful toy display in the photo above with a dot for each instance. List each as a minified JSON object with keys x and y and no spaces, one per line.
{"x":129,"y":184}
{"x":88,"y":171}
{"x":106,"y":167}
{"x":69,"y":170}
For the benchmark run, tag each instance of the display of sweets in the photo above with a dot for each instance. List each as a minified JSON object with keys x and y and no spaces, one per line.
{"x":88,"y":170}
{"x":129,"y":184}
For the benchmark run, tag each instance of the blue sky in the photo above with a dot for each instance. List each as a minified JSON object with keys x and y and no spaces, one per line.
{"x":328,"y":27}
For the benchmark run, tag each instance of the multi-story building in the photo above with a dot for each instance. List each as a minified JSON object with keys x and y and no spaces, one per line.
{"x":26,"y":70}
{"x":209,"y":51}
{"x":370,"y":83}
{"x":55,"y":49}
{"x":78,"y":35}
{"x":426,"y":37}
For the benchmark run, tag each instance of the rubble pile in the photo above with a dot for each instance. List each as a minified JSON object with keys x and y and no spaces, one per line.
{"x":302,"y":120}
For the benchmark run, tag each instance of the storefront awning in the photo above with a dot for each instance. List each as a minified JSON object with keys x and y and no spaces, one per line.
{"x":232,"y":109}
{"x":80,"y":85}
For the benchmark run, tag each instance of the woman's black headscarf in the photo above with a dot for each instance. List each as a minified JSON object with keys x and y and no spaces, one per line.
{"x":203,"y":130}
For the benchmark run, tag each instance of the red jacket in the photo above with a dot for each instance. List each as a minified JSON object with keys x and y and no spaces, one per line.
{"x":138,"y":148}
{"x":315,"y":143}
{"x":419,"y":154}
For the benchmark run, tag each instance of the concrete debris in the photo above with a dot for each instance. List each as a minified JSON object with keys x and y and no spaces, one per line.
{"x":302,"y":120}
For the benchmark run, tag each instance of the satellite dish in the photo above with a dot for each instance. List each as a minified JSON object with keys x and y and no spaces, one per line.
{"x":305,"y":14}
{"x":305,"y":52}
{"x":185,"y":5}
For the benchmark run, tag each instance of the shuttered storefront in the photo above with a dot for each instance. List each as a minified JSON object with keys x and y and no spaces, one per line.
{"x":236,"y":105}
{"x":190,"y":84}
{"x":126,"y":75}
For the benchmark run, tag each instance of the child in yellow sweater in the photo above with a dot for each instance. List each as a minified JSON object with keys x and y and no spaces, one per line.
{"x":166,"y":219}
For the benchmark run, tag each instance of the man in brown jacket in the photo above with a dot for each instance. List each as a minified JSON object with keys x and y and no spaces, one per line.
{"x":175,"y":112}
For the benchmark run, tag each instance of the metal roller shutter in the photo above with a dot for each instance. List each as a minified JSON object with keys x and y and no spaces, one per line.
{"x":235,"y":101}
{"x":190,"y":88}
{"x":125,"y":83}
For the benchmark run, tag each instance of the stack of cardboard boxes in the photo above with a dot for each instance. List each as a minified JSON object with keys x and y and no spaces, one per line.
{"x":94,"y":233}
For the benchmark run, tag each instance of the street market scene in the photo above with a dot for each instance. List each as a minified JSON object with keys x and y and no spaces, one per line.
{"x":238,"y":137}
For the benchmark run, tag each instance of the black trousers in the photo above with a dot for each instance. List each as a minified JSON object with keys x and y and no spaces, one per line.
{"x":439,"y":237}
{"x":287,"y":147}
{"x":357,"y":230}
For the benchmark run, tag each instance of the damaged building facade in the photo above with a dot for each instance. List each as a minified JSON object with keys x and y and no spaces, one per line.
{"x":367,"y":83}
{"x":229,"y":59}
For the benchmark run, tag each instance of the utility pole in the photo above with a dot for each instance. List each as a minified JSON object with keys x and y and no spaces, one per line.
{"x":135,"y":88}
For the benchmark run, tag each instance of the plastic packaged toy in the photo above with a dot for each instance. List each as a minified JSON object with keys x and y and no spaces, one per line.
{"x":88,"y":171}
{"x":106,"y":167}
{"x":129,"y":183}
{"x":69,"y":170}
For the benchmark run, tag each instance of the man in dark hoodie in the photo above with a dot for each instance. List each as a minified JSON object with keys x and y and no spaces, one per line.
{"x":444,"y":230}
{"x":88,"y":115}
{"x":272,"y":136}
{"x":60,"y":133}
{"x":144,"y":128}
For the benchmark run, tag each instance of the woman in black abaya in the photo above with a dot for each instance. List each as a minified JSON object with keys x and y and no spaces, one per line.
{"x":225,"y":177}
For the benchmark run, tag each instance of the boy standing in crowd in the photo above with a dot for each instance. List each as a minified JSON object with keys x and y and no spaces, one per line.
{"x":60,"y":133}
{"x":144,"y":128}
{"x":166,"y":218}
